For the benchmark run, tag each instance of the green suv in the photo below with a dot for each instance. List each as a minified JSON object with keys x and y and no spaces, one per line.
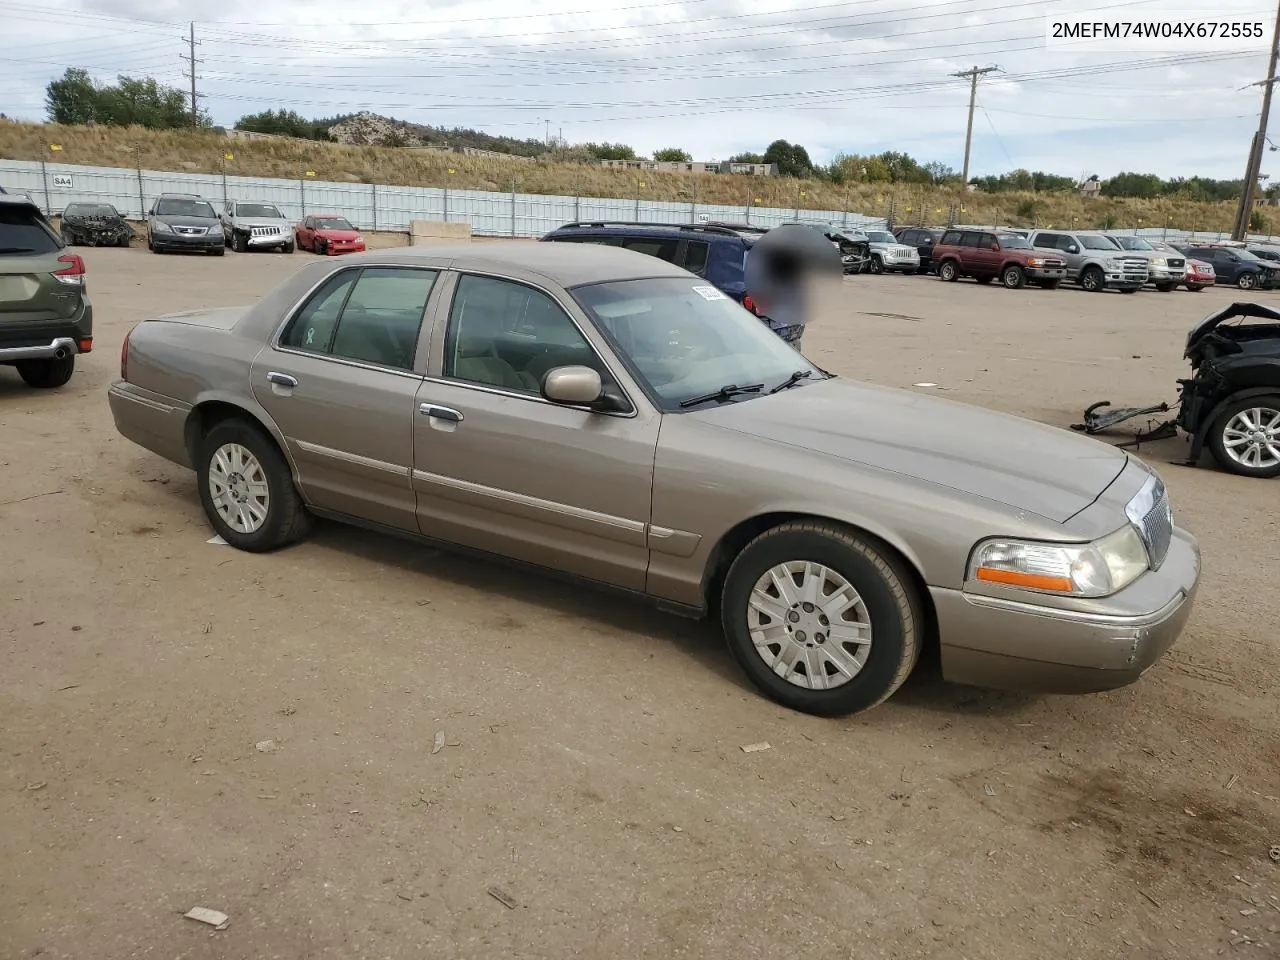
{"x":45,"y":314}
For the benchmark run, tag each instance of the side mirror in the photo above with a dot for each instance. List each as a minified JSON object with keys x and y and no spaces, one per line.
{"x":575,"y":385}
{"x":1072,"y":248}
{"x":995,"y":246}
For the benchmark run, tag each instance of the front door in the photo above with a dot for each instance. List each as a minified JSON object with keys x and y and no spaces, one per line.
{"x":499,"y":468}
{"x":341,"y":383}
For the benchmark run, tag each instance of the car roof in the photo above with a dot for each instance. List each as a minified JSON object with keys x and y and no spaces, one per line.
{"x":568,"y":264}
{"x":707,"y":230}
{"x":19,"y":200}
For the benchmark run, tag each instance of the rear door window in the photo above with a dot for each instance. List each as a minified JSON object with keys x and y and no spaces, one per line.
{"x":969,"y":238}
{"x":985,"y":240}
{"x":23,"y":232}
{"x":951,"y":238}
{"x":695,"y":256}
{"x":660,"y":247}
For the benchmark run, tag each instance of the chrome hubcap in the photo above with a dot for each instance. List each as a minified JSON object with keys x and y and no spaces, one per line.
{"x":809,"y":625}
{"x":1252,"y":438}
{"x":238,"y":488}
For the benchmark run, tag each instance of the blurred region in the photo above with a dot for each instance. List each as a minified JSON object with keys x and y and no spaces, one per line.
{"x":792,"y":276}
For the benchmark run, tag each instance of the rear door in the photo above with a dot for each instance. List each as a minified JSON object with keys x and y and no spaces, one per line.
{"x":986,"y":261}
{"x":33,"y":300}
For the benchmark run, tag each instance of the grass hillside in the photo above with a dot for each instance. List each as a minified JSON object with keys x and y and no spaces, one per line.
{"x":201,"y":152}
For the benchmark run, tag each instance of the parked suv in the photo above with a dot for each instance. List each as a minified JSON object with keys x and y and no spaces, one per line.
{"x":184,"y":221}
{"x":46,"y":318}
{"x":256,"y":226}
{"x":1237,"y":266}
{"x":889,"y":255}
{"x":1094,"y":260}
{"x":984,"y":256}
{"x":1166,"y":268}
{"x":716,"y":252}
{"x":924,"y":239}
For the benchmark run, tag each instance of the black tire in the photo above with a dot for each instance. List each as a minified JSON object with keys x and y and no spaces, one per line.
{"x":1093,"y":279}
{"x":124,"y":242}
{"x":1217,"y":439}
{"x":1013,"y":277}
{"x":219,"y":251}
{"x":877,"y":264}
{"x":288,"y":519}
{"x":891,"y":603}
{"x":1165,"y":287}
{"x":1049,"y":284}
{"x":1246,"y":281}
{"x":1195,"y":287}
{"x":983,"y":280}
{"x":287,"y":248}
{"x":947,"y":270}
{"x":239,"y":242}
{"x":46,"y":374}
{"x":1129,"y":290}
{"x":321,"y":246}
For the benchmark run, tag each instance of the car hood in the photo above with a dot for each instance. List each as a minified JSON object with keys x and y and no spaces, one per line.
{"x":1017,"y":462}
{"x":343,"y":235}
{"x":263,"y":222}
{"x":179,"y":220}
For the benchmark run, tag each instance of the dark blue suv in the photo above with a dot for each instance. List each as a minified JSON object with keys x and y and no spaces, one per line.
{"x":715,"y":251}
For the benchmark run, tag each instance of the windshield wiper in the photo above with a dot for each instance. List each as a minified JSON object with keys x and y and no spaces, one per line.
{"x":727,"y":392}
{"x":792,"y":380}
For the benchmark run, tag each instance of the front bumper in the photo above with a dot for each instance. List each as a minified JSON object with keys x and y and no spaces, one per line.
{"x":900,"y":263}
{"x":333,"y":247}
{"x":1046,"y":273}
{"x":268,"y":240}
{"x":1002,"y":644}
{"x":182,"y":241}
{"x":1160,"y":274}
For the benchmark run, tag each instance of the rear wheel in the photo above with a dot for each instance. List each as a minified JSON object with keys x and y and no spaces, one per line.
{"x":1093,"y":279}
{"x":1013,"y":277}
{"x":1246,"y":281}
{"x":1246,"y":439}
{"x":947,"y":271}
{"x":821,"y":619}
{"x":247,"y":489}
{"x":46,"y":374}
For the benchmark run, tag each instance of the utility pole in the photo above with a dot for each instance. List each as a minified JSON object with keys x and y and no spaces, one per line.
{"x":1254,"y":166}
{"x":972,"y":74}
{"x":191,"y":63}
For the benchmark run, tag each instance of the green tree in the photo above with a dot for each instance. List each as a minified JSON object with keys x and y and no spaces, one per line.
{"x":791,"y":158}
{"x":610,"y":151}
{"x":73,"y":99}
{"x":1134,"y":185}
{"x":747,"y":158}
{"x":285,"y":123}
{"x":672,"y":155}
{"x":1256,"y":222}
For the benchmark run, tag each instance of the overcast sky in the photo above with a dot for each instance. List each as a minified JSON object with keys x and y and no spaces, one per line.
{"x":715,"y":77}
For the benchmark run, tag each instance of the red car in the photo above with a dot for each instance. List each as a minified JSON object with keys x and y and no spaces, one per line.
{"x":328,"y":234}
{"x":1199,"y":275}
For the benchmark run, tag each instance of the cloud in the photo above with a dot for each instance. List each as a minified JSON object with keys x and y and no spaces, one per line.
{"x":714,"y":76}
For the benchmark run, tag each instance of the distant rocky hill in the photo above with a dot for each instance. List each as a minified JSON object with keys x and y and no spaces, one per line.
{"x":370,"y":129}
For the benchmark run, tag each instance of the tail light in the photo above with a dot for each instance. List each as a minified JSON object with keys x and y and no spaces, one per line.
{"x":124,"y":356}
{"x":749,"y":303}
{"x":73,"y":272}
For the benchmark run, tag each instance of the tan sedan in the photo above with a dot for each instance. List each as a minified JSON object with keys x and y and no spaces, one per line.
{"x":605,"y":415}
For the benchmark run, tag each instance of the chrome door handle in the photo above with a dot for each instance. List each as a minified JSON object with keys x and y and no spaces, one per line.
{"x":440,"y":413}
{"x":283,"y":379}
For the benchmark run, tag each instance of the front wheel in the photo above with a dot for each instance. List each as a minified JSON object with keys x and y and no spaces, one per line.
{"x":287,"y":248}
{"x":877,"y":265}
{"x":321,"y":247}
{"x":820,"y":619}
{"x":1165,"y":287}
{"x":1013,"y":277}
{"x":1129,"y":290}
{"x":1049,"y":284}
{"x":1093,"y":279}
{"x":1245,"y":440}
{"x":1195,"y":287}
{"x":48,"y":374}
{"x":239,"y":243}
{"x":1246,"y":281}
{"x":947,"y":271}
{"x":247,"y":489}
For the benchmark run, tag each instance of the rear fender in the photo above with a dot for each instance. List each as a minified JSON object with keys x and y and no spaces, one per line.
{"x":251,"y":408}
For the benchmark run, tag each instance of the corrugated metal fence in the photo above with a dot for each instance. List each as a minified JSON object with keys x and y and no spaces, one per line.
{"x":376,"y":206}
{"x":380,"y":207}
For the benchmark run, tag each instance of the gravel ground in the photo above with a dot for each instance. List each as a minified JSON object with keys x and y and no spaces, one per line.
{"x":182,"y":724}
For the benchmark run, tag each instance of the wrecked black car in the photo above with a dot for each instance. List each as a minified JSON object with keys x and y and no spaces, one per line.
{"x":94,"y":225}
{"x":1232,"y":400}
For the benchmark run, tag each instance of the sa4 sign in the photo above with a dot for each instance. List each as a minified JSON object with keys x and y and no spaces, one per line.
{"x":62,"y":181}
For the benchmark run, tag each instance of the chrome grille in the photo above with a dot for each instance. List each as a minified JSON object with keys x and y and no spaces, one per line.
{"x":265,"y":231}
{"x":1178,"y":264}
{"x":1150,"y":513}
{"x":191,"y":231}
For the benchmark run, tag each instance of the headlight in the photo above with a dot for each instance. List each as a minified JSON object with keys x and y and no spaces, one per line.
{"x":1095,"y":569}
{"x":358,"y":239}
{"x":1035,"y":261}
{"x":162,"y":227}
{"x":1112,"y":265}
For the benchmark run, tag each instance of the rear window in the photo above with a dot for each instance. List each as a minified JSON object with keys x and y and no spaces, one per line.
{"x":695,"y":256}
{"x":23,"y":233}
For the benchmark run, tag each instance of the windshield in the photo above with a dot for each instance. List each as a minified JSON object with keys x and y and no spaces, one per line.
{"x":263,"y":210}
{"x":90,"y":210}
{"x":1098,"y":243}
{"x":1011,"y":241}
{"x":333,"y":223}
{"x":1133,"y":243}
{"x":683,"y":339}
{"x":181,"y":207}
{"x":1246,"y":255}
{"x":881,"y":236}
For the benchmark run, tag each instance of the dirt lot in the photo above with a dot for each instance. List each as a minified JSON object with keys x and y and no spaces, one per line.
{"x":593,"y":768}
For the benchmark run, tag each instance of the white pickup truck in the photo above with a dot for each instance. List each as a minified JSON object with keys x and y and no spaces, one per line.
{"x":255,"y":226}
